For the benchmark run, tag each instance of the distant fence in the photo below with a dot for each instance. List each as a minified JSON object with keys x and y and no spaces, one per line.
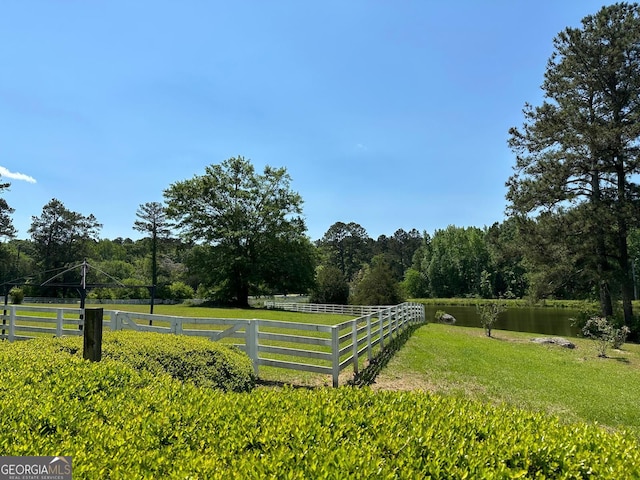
{"x":359,"y":310}
{"x":325,"y":349}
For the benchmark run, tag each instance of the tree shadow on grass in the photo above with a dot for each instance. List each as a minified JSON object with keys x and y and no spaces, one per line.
{"x":619,"y":359}
{"x":367,"y":376}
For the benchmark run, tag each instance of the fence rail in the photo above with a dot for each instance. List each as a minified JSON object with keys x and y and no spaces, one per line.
{"x":325,"y":349}
{"x":337,"y":309}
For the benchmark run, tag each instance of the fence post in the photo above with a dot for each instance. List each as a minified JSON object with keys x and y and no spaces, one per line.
{"x":92,"y":345}
{"x":12,"y":323}
{"x":381,"y":330}
{"x":335,"y":354}
{"x":369,"y":351}
{"x":354,"y":339}
{"x":59,"y":322}
{"x":251,"y":340}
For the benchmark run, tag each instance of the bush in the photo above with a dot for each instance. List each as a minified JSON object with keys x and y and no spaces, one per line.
{"x":193,"y":359}
{"x":17,"y":295}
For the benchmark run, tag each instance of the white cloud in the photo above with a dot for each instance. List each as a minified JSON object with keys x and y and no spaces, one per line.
{"x":16,"y":176}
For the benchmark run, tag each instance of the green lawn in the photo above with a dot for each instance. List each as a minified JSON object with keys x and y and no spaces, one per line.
{"x":573,"y":384}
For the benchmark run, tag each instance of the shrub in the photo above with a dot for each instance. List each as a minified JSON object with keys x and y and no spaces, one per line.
{"x":117,"y":422}
{"x":198,"y":360}
{"x":17,"y":295}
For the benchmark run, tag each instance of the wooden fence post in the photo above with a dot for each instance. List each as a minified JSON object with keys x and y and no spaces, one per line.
{"x":251,"y":341}
{"x":369,"y":351}
{"x":381,"y":330}
{"x":335,"y":355}
{"x":92,"y":345}
{"x":59,"y":322}
{"x":354,"y":339}
{"x":12,"y":323}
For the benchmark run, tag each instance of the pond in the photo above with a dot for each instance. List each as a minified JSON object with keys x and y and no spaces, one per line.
{"x":543,"y":320}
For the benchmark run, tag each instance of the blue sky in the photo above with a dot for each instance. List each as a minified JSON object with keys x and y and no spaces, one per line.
{"x":389,"y":114}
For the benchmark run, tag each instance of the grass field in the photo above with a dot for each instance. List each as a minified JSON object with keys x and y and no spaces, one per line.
{"x":573,"y":384}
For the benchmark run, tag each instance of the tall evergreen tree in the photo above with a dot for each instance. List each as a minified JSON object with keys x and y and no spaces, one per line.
{"x":152,"y":219}
{"x":580,"y":147}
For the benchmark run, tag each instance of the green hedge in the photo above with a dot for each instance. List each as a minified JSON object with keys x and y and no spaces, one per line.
{"x":119,"y":422}
{"x":205,"y":363}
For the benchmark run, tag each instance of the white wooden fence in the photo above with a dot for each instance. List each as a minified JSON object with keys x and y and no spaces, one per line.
{"x":359,"y":310}
{"x":325,"y":349}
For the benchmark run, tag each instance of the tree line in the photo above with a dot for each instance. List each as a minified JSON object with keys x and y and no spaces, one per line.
{"x":571,"y":229}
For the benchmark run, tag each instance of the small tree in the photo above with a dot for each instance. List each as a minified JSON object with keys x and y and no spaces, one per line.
{"x":489,"y":313}
{"x":604,"y":334}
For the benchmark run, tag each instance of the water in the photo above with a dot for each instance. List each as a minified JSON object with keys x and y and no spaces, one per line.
{"x":546,"y":321}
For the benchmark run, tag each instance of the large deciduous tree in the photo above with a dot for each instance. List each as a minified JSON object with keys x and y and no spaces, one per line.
{"x":241,"y":218}
{"x":579,"y":148}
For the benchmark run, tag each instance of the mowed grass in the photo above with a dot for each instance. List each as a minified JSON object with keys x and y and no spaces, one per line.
{"x":573,"y":384}
{"x":184,"y":310}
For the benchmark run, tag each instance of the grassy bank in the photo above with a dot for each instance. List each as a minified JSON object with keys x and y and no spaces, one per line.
{"x":574,"y":384}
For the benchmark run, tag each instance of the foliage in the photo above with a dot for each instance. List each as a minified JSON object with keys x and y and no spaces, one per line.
{"x":604,"y":334}
{"x":398,"y":250}
{"x":456,"y":261}
{"x":180,"y":291}
{"x":347,"y":247}
{"x":61,"y":239}
{"x":489,"y":313}
{"x":378,"y":286}
{"x":17,"y":295}
{"x":193,"y":359}
{"x":118,"y":422}
{"x":241,"y":218}
{"x":331,"y":287}
{"x":415,"y":284}
{"x":6,"y":224}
